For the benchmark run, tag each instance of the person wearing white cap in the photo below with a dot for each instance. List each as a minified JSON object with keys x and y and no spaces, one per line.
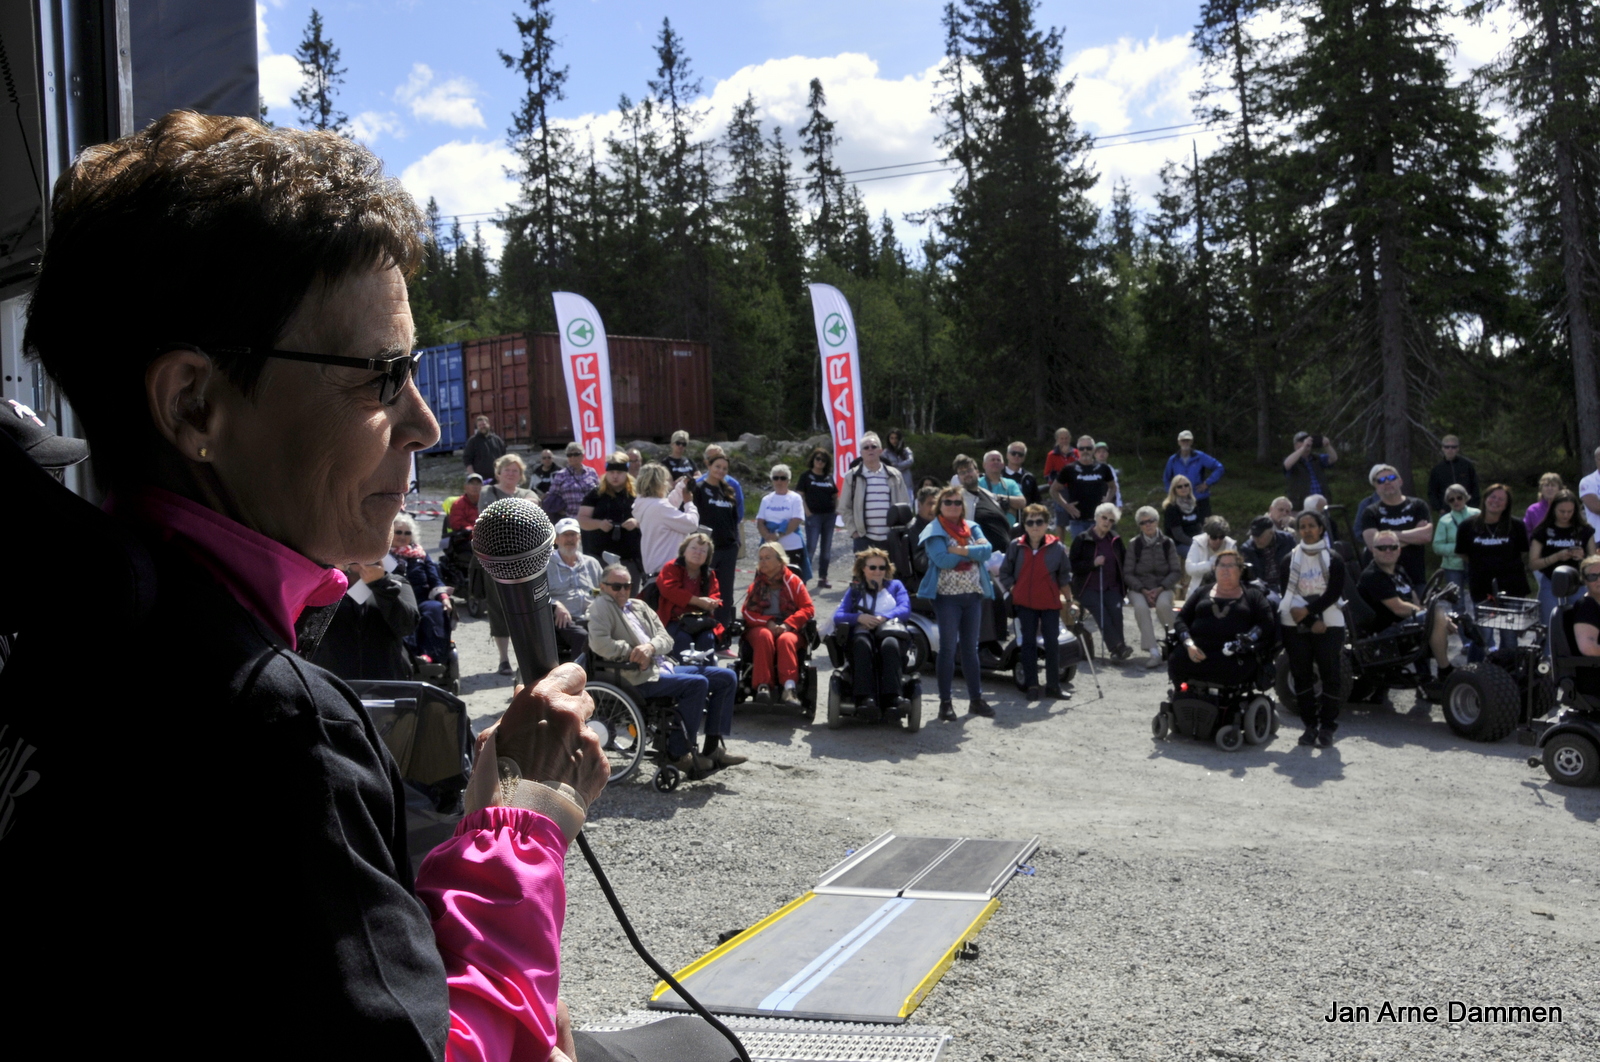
{"x":573,"y":576}
{"x":1202,"y":469}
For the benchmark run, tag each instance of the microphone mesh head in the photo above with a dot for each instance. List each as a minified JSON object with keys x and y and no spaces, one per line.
{"x":513,"y":539}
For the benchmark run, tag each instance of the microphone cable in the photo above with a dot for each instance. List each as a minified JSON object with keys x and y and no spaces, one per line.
{"x":649,"y":960}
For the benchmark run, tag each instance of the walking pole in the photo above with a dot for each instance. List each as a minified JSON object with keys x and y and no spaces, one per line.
{"x":1078,"y":630}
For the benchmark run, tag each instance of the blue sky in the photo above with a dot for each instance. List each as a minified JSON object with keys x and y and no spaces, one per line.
{"x":428,"y":93}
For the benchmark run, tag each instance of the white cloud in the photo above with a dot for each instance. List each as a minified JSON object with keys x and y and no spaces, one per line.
{"x":280,"y":74}
{"x":368,"y":126}
{"x":450,"y":102}
{"x":466,"y":179}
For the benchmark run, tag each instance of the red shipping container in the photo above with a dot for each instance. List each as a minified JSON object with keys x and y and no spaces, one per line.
{"x":657,"y":387}
{"x":496,"y":372}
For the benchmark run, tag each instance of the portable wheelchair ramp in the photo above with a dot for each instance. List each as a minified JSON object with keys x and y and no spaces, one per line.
{"x":868,"y":943}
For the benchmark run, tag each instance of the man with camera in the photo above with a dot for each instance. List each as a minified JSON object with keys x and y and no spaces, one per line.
{"x":1306,"y":468}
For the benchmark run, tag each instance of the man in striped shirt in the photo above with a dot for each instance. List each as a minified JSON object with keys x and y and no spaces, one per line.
{"x":868,"y":492}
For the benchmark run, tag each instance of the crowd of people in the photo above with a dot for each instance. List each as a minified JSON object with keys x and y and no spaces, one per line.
{"x":1047,"y":542}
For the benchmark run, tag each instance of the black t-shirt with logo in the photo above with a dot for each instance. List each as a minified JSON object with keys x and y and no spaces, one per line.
{"x":1085,"y":486}
{"x":1402,"y":516}
{"x":539,"y":478}
{"x":1587,"y":611}
{"x":1494,"y":555}
{"x":1025,"y":482}
{"x":719,"y":510}
{"x":1377,"y":586}
{"x":1554,"y":539}
{"x":820,"y":492}
{"x":679,"y":467}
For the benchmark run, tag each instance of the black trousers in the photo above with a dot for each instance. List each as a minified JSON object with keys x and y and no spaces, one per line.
{"x":1313,"y":656}
{"x":876,"y":667}
{"x":725,"y":562}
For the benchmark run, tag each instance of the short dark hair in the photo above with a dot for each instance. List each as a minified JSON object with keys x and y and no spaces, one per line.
{"x":199,"y":229}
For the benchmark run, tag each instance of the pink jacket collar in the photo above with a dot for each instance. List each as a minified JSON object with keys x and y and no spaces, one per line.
{"x":269,"y":579}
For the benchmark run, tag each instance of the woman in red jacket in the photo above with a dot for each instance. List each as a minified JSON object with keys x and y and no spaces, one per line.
{"x":776,"y":611}
{"x":690,"y":595}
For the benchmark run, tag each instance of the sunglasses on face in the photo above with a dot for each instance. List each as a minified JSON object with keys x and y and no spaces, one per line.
{"x":397,"y":369}
{"x":1384,"y":549}
{"x":870,"y":446}
{"x":617,"y":586}
{"x":1590,"y":577}
{"x":1451,"y":446}
{"x":780,"y":479}
{"x":877,"y":568}
{"x":1103,"y":520}
{"x":1216,"y":538}
{"x":1387,"y":479}
{"x":1145,"y":521}
{"x":1017,"y":453}
{"x":399,"y":531}
{"x":1035,"y":522}
{"x":953,"y":502}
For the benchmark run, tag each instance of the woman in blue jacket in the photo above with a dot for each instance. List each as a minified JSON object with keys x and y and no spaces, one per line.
{"x":874,"y":611}
{"x":956,"y":583}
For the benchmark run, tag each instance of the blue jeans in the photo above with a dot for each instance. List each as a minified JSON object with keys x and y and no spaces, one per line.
{"x":959,"y":616}
{"x":682,"y":639}
{"x":1106,"y":608}
{"x":1078,"y":527}
{"x":432,"y":636}
{"x":1548,"y":603}
{"x":1491,"y":636}
{"x":805,"y":560}
{"x":1031,"y":622}
{"x":692,"y":688}
{"x":819,"y":528}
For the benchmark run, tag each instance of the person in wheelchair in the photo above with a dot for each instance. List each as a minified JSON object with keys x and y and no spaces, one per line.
{"x":691,"y":595}
{"x":776,"y":609}
{"x":573,"y":577}
{"x":627,"y":631}
{"x":872,"y":616}
{"x":431,"y":639}
{"x":1222,"y":630}
{"x":1586,"y":626}
{"x":1386,"y":588}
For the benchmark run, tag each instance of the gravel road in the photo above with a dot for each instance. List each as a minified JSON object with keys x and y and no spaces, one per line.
{"x":1188,"y":903}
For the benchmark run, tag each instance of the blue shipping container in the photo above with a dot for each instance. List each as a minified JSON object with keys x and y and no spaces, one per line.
{"x":440,"y":379}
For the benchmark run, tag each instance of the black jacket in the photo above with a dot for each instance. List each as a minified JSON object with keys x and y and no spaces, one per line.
{"x":1456,"y":470}
{"x":185,"y":797}
{"x":367,"y":641}
{"x":1256,"y":558}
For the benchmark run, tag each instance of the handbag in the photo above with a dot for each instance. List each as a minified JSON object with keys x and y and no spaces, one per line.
{"x":693,"y":623}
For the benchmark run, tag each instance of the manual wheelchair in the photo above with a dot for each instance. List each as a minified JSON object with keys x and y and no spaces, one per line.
{"x":1231,"y":714}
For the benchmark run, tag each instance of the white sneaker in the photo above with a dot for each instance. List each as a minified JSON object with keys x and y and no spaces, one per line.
{"x":1154,"y":661}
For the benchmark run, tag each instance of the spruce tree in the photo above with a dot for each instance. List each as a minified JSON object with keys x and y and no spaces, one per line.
{"x":320,"y":76}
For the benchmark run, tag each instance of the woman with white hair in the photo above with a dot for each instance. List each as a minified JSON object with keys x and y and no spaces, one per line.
{"x":412,"y":563}
{"x":665,"y":515}
{"x":782,"y":517}
{"x":1154,"y":572}
{"x":1098,"y":560}
{"x":776,"y":611}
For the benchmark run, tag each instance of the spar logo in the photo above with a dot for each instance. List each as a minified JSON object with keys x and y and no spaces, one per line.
{"x":841,"y":385}
{"x":590,"y":428}
{"x":579,"y":332}
{"x":834,"y":330}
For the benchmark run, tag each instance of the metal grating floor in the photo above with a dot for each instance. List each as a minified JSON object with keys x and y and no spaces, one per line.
{"x":787,"y":1040}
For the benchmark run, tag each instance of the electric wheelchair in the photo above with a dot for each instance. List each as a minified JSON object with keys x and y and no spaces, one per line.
{"x":1570,"y":741}
{"x":841,"y":704}
{"x":1230,"y":713}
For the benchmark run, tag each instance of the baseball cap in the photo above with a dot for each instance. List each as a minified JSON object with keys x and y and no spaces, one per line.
{"x":1301,"y":435}
{"x":1102,"y":446}
{"x":47,"y":449}
{"x":565,"y":524}
{"x":473,"y":477}
{"x":1186,"y":434}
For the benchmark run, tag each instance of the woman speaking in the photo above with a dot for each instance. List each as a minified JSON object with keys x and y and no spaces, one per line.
{"x":245,"y":380}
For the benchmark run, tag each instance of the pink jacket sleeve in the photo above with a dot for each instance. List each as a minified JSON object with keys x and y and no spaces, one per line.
{"x":497,"y":897}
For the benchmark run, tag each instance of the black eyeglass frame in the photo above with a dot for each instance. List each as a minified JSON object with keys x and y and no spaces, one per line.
{"x":394,"y":381}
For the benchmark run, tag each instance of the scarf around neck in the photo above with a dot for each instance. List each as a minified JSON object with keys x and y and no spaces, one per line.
{"x":1185,"y":504}
{"x":962,"y":534}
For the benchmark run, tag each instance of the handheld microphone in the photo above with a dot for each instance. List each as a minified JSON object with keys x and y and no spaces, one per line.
{"x":512,"y":540}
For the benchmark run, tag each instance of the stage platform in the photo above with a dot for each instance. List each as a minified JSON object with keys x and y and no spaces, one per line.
{"x":868,"y":943}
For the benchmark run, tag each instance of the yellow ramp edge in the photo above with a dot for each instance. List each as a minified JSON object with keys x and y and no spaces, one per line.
{"x":925,"y":986}
{"x":722,"y":949}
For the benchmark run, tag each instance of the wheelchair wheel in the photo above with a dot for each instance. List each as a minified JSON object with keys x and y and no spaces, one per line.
{"x":835,"y":707}
{"x":911,"y":714}
{"x":1019,"y":675}
{"x":1229,"y":739}
{"x":1257,"y":720}
{"x":667,"y":779}
{"x":808,"y":695}
{"x":1161,"y":725}
{"x":918,"y":654}
{"x":624,"y":738}
{"x":1481,"y":702}
{"x":1068,"y":674}
{"x":1571,"y":760}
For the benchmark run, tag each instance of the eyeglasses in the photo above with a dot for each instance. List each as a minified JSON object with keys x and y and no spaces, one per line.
{"x":875,"y":568}
{"x":870,"y":446}
{"x":780,"y":479}
{"x":1384,"y":549}
{"x":1590,"y":577}
{"x":1216,"y":538}
{"x":1390,"y":478}
{"x":1104,"y":520}
{"x":398,"y":531}
{"x":617,"y":586}
{"x":1035,"y":522}
{"x":1145,"y":521}
{"x":1450,"y":446}
{"x":1017,"y":453}
{"x":397,"y":369}
{"x":953,"y":502}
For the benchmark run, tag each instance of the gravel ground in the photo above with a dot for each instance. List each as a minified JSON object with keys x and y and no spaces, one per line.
{"x":1188,"y":903}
